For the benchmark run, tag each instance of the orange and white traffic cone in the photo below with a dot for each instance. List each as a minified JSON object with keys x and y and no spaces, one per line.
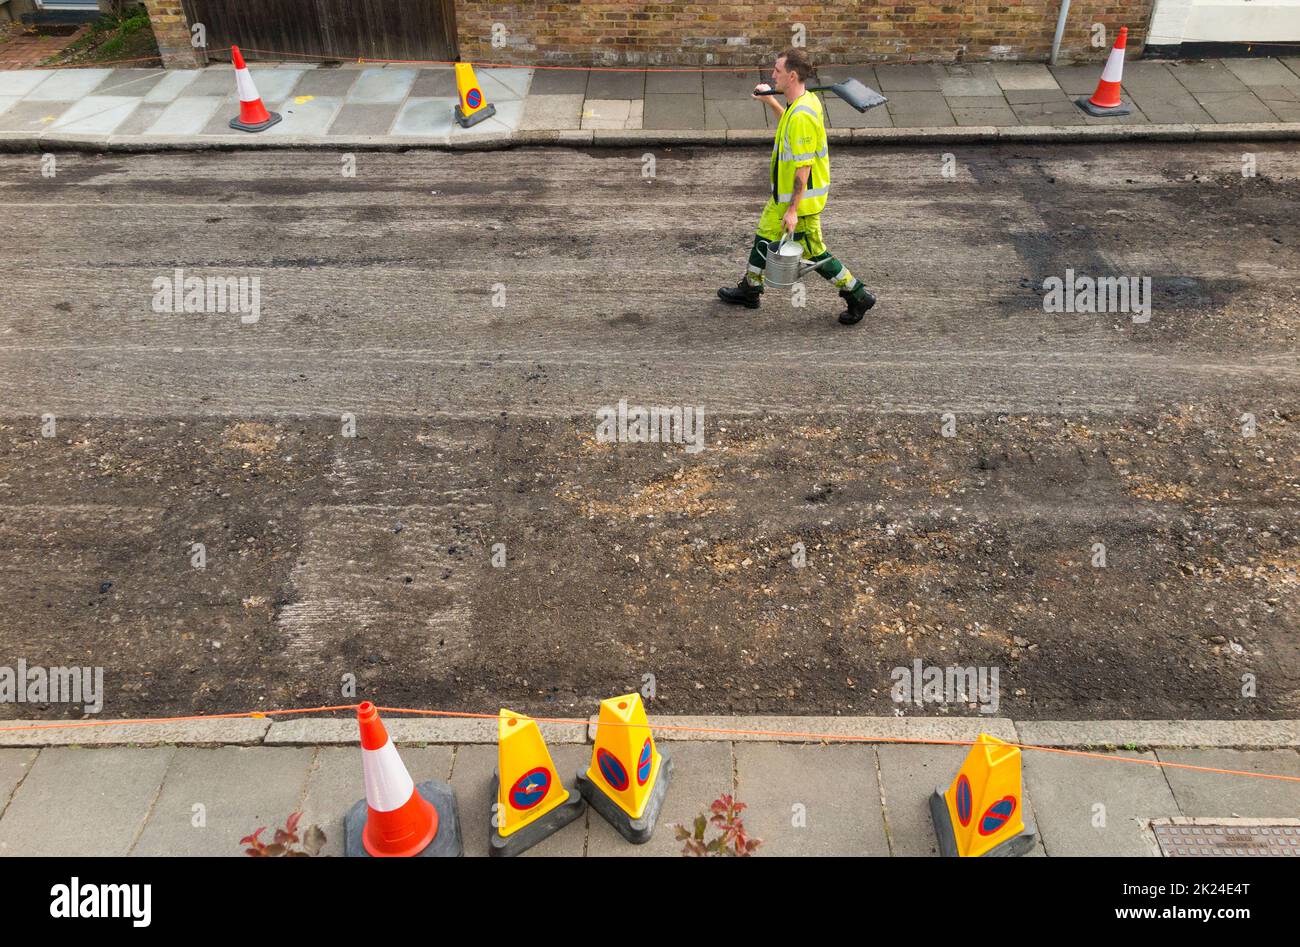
{"x":1106,"y":100}
{"x":253,"y":116}
{"x":398,"y":818}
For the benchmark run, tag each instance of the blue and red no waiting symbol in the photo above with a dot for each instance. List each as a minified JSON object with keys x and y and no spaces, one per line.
{"x":997,"y":815}
{"x":530,"y":788}
{"x":611,"y":769}
{"x":643,"y":763}
{"x":963,"y":800}
{"x":473,"y":98}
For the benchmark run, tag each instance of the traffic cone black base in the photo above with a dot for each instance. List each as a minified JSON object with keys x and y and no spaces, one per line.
{"x":469,"y":122}
{"x":525,"y":837}
{"x":1099,"y":112}
{"x":260,"y":126}
{"x":1018,"y":845}
{"x":446,"y":844}
{"x":636,"y":831}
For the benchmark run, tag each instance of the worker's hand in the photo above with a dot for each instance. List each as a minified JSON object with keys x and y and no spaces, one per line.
{"x":763,"y":91}
{"x":790,"y":219}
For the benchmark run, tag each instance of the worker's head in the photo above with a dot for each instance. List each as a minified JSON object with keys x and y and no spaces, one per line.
{"x":792,"y":68}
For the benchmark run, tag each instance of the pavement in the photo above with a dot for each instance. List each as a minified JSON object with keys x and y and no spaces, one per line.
{"x":409,"y":105}
{"x":197,"y":788}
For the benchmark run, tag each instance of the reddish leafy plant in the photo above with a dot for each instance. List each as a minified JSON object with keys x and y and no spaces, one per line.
{"x":734,"y":841}
{"x":285,"y":842}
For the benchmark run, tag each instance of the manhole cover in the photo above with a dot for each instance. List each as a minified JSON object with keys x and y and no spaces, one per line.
{"x":1189,"y":841}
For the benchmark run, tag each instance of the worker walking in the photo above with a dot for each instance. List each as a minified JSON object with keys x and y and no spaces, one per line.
{"x":800,"y":179}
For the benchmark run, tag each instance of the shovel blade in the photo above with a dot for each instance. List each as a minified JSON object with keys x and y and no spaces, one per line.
{"x":861,"y":97}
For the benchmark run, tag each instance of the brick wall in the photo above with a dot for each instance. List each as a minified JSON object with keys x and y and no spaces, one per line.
{"x":172,"y":30}
{"x":751,"y":31}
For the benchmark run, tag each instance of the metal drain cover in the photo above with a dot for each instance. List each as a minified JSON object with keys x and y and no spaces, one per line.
{"x":1226,"y":838}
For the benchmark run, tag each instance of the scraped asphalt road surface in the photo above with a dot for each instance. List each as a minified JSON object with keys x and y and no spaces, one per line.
{"x":330,"y":556}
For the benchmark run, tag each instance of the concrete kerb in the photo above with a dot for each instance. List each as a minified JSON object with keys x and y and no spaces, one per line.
{"x":623,"y":138}
{"x":342,"y":730}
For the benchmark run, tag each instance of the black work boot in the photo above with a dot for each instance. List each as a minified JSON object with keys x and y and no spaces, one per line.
{"x":858,"y":306}
{"x":744,"y":293}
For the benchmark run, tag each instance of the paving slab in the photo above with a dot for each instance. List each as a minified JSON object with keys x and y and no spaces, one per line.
{"x":1146,"y":74}
{"x":1207,"y":77}
{"x":1039,"y":96}
{"x":172,"y":85}
{"x":909,"y":775}
{"x":67,"y":85}
{"x":552,"y":111}
{"x":219,"y":123}
{"x":96,"y":114}
{"x":139,"y":121}
{"x":843,"y":115}
{"x":811,"y":800}
{"x":834,"y":72}
{"x":110,"y":790}
{"x":1210,"y":795}
{"x":6,"y":101}
{"x":504,"y":83}
{"x":732,"y":83}
{"x":675,"y":81}
{"x":556,"y":81}
{"x":185,"y":116}
{"x":1024,"y":76}
{"x":382,"y":86}
{"x":1001,"y":115}
{"x":1283,"y":101}
{"x":1242,"y":106}
{"x":1060,"y":111}
{"x":238,"y":788}
{"x":364,"y":119}
{"x":130,"y":82}
{"x":339,"y":82}
{"x":335,"y":783}
{"x":1076,"y":80}
{"x":212,"y":82}
{"x":701,"y":773}
{"x":734,"y":113}
{"x":606,"y":113}
{"x":22,"y":81}
{"x":974,"y":79}
{"x":608,"y":86}
{"x":14,"y":766}
{"x":313,"y":115}
{"x":919,"y":108}
{"x":1263,"y":71}
{"x":1168,"y":106}
{"x":1091,"y":807}
{"x":1292,"y":63}
{"x":910,"y":77}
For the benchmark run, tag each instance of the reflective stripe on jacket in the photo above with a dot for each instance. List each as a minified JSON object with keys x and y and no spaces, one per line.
{"x":801,"y":142}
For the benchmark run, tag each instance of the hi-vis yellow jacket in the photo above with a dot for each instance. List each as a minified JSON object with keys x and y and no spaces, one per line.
{"x":801,"y":141}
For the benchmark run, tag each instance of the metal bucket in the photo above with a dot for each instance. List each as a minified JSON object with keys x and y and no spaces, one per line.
{"x":785,"y":263}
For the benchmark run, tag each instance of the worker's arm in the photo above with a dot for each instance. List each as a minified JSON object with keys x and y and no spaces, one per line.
{"x":791,"y":218}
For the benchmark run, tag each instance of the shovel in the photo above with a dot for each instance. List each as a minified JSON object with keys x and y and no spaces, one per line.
{"x":861,"y":97}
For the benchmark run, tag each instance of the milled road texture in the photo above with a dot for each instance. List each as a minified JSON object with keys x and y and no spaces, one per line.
{"x":1111,"y":525}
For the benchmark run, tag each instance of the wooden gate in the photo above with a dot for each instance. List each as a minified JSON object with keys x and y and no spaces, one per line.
{"x":309,"y":30}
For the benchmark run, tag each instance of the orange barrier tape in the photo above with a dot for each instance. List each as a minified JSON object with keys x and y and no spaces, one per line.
{"x":418,"y":62}
{"x":583,"y":721}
